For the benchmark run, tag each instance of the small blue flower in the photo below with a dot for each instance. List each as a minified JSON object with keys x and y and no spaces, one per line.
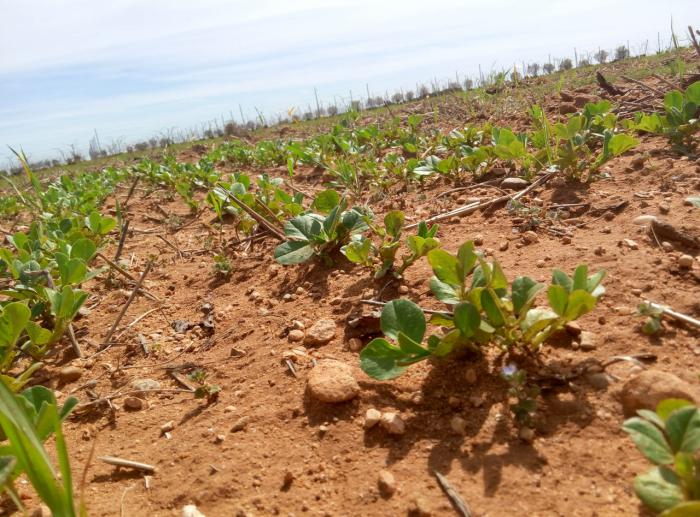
{"x":509,"y":371}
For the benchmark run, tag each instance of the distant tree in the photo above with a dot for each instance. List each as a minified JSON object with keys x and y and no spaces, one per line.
{"x":308,"y":115}
{"x":621,"y":52}
{"x":533,"y":69}
{"x":397,"y":97}
{"x":410,"y":95}
{"x":584,"y":62}
{"x":565,"y":65}
{"x":332,"y":110}
{"x":548,"y":68}
{"x":356,"y":105}
{"x":601,"y":56}
{"x":423,"y":91}
{"x":141,"y":146}
{"x":379,"y":100}
{"x":468,"y":84}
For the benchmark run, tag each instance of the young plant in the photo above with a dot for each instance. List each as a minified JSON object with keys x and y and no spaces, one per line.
{"x":525,"y":394}
{"x":485,"y":311}
{"x":27,"y":421}
{"x":222,"y":266}
{"x":314,"y":235}
{"x":670,"y":439}
{"x":204,"y":390}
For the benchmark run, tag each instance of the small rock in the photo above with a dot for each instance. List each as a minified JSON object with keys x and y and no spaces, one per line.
{"x":573,"y":328}
{"x":514,"y":183}
{"x":527,"y":434}
{"x":295,"y":335}
{"x":323,"y":429}
{"x":41,"y":511}
{"x":354,"y":344}
{"x":476,"y":401}
{"x":332,"y":381}
{"x":599,"y":381}
{"x":167,"y":427}
{"x":372,"y":418}
{"x":470,"y":375}
{"x":638,"y":161}
{"x":503,"y":246}
{"x":191,"y":511}
{"x":299,"y":325}
{"x":145,"y":385}
{"x":219,"y":438}
{"x":530,"y":237}
{"x":648,"y":388}
{"x":240,"y":424}
{"x":478,"y":239}
{"x":392,"y":423}
{"x":685,"y":261}
{"x":419,"y":508}
{"x":664,"y":208}
{"x":133,"y":403}
{"x":403,"y":289}
{"x":667,"y":246}
{"x":69,"y":374}
{"x":458,"y":424}
{"x":321,"y":332}
{"x":631,"y":244}
{"x":587,"y":341}
{"x":599,"y":250}
{"x":386,"y":483}
{"x":643,"y":220}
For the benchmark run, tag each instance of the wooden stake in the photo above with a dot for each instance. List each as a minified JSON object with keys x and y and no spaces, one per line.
{"x":460,"y":506}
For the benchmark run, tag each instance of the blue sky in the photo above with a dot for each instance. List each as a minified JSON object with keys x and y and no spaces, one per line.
{"x":132,"y":68}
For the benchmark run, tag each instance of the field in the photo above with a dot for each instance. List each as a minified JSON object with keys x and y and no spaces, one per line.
{"x":235,"y":354}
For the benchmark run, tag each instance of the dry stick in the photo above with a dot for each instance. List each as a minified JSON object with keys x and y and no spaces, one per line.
{"x":170,"y":245}
{"x":121,"y":462}
{"x":460,"y":506}
{"x":482,"y":204}
{"x":128,"y":275}
{"x":252,"y":213}
{"x":645,"y":86}
{"x":665,"y":81}
{"x":693,"y":40}
{"x":131,"y":192}
{"x":122,"y":239}
{"x":676,"y":315}
{"x":136,"y":320}
{"x":105,"y":343}
{"x":128,"y":394}
{"x":427,"y":311}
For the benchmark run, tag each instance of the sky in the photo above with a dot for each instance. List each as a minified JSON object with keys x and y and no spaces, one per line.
{"x":132,"y":69}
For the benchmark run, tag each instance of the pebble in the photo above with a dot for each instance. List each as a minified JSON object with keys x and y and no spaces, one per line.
{"x":643,"y":220}
{"x":191,"y":510}
{"x":167,"y":427}
{"x":145,"y":384}
{"x":470,"y":375}
{"x":631,"y":244}
{"x":599,"y":381}
{"x":587,"y":341}
{"x":573,"y":328}
{"x":667,"y":246}
{"x":514,"y":183}
{"x":530,"y":237}
{"x":298,"y":325}
{"x":478,"y":239}
{"x":685,"y":261}
{"x":392,"y":423}
{"x":648,"y":388}
{"x":503,"y":246}
{"x":403,"y":289}
{"x":41,"y":511}
{"x":386,"y":483}
{"x":458,"y":425}
{"x":354,"y":344}
{"x":664,"y":208}
{"x":372,"y":417}
{"x":527,"y":434}
{"x":69,"y":374}
{"x":332,"y":381}
{"x":133,"y":403}
{"x":419,"y":508}
{"x":295,"y":335}
{"x":240,"y":424}
{"x":321,"y":332}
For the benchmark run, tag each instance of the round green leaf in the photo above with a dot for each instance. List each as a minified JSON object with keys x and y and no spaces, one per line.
{"x":403,"y":316}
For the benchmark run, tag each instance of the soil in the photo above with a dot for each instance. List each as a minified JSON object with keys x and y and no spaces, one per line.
{"x":291,"y":455}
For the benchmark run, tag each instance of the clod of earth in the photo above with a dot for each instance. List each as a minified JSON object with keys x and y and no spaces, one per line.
{"x":320,"y":333}
{"x":647,"y":389}
{"x":332,"y":381}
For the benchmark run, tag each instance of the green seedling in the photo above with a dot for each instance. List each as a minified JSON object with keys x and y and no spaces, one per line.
{"x":204,"y":390}
{"x":523,"y":392}
{"x":670,"y":439}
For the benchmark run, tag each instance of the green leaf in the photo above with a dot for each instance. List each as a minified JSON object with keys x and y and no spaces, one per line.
{"x":621,"y":143}
{"x":692,"y":93}
{"x":379,"y":360}
{"x":466,"y":259}
{"x":83,"y":249}
{"x":407,"y":345}
{"x":492,"y":309}
{"x":650,"y":440}
{"x":403,"y":316}
{"x":302,"y":227}
{"x":444,"y":267}
{"x":580,"y":303}
{"x":466,"y":318}
{"x":358,"y":250}
{"x":293,"y":252}
{"x":683,"y":429}
{"x":580,"y":277}
{"x":524,"y":290}
{"x":659,"y":489}
{"x":687,"y":509}
{"x":562,"y":279}
{"x":393,"y":222}
{"x":13,"y":320}
{"x":325,"y":201}
{"x":558,"y":297}
{"x":668,"y":406}
{"x":444,"y":292}
{"x":7,"y":466}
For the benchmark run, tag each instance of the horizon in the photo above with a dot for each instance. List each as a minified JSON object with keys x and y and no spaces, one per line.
{"x":131,"y":71}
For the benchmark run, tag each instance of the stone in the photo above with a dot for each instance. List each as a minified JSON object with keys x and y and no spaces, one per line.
{"x":638,"y":161}
{"x":503,"y":246}
{"x":631,"y":244}
{"x":514,"y":183}
{"x":566,"y":108}
{"x":478,"y":239}
{"x":527,"y":434}
{"x":69,"y":374}
{"x":403,"y":289}
{"x":643,"y":220}
{"x":573,"y":328}
{"x":191,"y":510}
{"x":145,"y":385}
{"x":664,"y":208}
{"x":298,"y":324}
{"x":581,"y":100}
{"x":354,"y":344}
{"x":332,"y":381}
{"x":41,"y":511}
{"x":321,"y":332}
{"x":295,"y":335}
{"x":685,"y":261}
{"x":587,"y":341}
{"x":599,"y":380}
{"x":419,"y":508}
{"x":240,"y":424}
{"x":530,"y":237}
{"x":167,"y":427}
{"x":392,"y":423}
{"x":133,"y":403}
{"x":458,"y":425}
{"x":386,"y":483}
{"x":470,"y":375}
{"x":648,"y":388}
{"x":372,"y":417}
